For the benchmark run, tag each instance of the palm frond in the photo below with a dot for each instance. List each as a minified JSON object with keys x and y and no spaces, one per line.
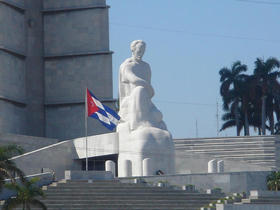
{"x":228,"y":124}
{"x":224,"y":73}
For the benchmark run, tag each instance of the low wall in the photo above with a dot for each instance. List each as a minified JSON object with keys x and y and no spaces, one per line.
{"x":98,"y":145}
{"x":58,"y":157}
{"x":229,"y":182}
{"x":65,"y":155}
{"x":28,"y":143}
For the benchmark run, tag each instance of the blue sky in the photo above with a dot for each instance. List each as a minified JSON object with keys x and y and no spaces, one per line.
{"x":188,"y":42}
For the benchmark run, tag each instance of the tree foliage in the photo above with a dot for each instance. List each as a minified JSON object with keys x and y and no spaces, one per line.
{"x":273,"y":181}
{"x":8,"y":169}
{"x":27,"y":193}
{"x":251,"y":100}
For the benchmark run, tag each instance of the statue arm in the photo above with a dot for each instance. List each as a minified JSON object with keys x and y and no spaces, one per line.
{"x":130,"y":77}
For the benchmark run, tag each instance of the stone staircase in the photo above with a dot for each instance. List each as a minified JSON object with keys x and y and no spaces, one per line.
{"x":258,"y":200}
{"x":262,"y":197}
{"x":260,"y":150}
{"x":109,"y":195}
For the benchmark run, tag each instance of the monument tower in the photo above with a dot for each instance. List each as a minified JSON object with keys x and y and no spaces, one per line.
{"x":50,"y":51}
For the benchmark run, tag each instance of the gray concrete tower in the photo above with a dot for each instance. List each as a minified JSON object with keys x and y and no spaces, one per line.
{"x":50,"y":51}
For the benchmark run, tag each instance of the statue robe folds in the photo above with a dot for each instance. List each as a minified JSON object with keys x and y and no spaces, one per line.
{"x":145,"y":145}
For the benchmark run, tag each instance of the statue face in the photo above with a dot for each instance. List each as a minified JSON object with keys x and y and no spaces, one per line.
{"x":139,"y":51}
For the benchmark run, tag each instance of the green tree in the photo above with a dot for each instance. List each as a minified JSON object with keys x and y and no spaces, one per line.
{"x":230,"y":89}
{"x":267,"y":80}
{"x":27,"y":192}
{"x":273,"y":181}
{"x":8,"y":169}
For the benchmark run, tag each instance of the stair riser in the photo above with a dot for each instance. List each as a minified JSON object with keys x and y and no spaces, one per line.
{"x":132,"y":206}
{"x":83,"y":197}
{"x":130,"y":202}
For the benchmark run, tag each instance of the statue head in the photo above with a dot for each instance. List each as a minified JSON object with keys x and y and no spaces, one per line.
{"x":138,"y":48}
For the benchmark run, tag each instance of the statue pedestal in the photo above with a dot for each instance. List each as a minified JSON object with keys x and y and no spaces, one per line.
{"x":149,"y":147}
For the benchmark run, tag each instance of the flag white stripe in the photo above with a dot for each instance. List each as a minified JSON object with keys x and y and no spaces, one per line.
{"x":112,"y":118}
{"x":98,"y":103}
{"x":103,"y":118}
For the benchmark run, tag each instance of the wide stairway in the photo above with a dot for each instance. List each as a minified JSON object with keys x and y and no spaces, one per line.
{"x":260,"y":150}
{"x":109,"y":195}
{"x":268,"y":198}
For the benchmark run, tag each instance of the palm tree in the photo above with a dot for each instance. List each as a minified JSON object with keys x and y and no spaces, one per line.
{"x":230,"y":121}
{"x":244,"y":120}
{"x":26,"y":195}
{"x":247,"y":88}
{"x":230,"y":89}
{"x":8,"y":169}
{"x":267,"y":78}
{"x":273,"y":181}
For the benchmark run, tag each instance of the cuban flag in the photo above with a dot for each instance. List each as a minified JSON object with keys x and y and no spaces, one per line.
{"x":104,"y":114}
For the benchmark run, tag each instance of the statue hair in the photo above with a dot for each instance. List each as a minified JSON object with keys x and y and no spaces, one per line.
{"x":134,"y":43}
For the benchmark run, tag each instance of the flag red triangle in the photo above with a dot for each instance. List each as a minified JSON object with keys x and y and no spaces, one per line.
{"x":92,"y":108}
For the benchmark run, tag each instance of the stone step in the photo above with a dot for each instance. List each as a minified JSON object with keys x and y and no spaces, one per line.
{"x":122,"y":195}
{"x":219,"y":142}
{"x":211,"y":151}
{"x":232,"y":142}
{"x":245,"y":156}
{"x":89,"y":186}
{"x":114,"y":181}
{"x":235,"y":152}
{"x":226,"y":148}
{"x":125,"y":196}
{"x":117,"y":208}
{"x":87,"y":183}
{"x":123,"y":206}
{"x":126,"y":201}
{"x":262,"y":200}
{"x":111,"y":193}
{"x":253,"y":139}
{"x":148,"y":193}
{"x":106,"y":187}
{"x":100,"y":184}
{"x":114,"y":190}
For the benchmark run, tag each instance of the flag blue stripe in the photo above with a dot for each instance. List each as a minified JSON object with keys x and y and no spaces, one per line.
{"x":110,"y":126}
{"x":112,"y":112}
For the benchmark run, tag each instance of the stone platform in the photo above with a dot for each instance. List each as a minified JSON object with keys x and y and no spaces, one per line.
{"x":257,"y":150}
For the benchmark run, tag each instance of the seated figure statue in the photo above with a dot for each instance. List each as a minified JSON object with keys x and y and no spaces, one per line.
{"x":145,"y":145}
{"x":135,"y":91}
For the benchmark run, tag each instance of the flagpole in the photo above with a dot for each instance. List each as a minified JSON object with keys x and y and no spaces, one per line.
{"x":86,"y":125}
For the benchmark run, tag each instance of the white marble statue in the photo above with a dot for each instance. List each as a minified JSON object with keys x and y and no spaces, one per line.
{"x":136,"y":91}
{"x":142,"y":132}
